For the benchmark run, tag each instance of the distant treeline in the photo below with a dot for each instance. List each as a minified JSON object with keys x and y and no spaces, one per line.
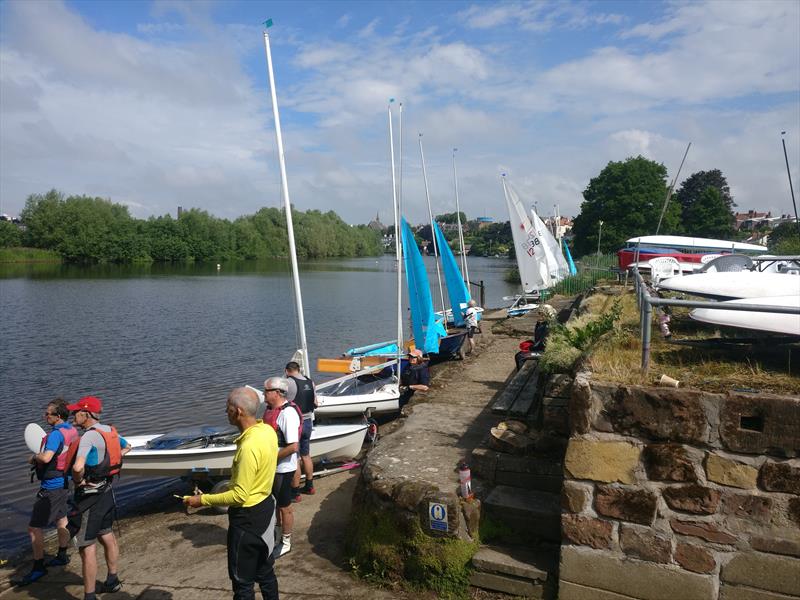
{"x":81,"y":228}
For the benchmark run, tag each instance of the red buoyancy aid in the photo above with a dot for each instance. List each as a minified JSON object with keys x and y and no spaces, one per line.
{"x":271,"y":418}
{"x":112,"y":461}
{"x":58,"y":465}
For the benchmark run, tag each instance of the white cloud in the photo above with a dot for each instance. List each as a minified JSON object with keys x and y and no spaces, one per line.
{"x":535,"y":16}
{"x":151,"y":125}
{"x":157,"y":124}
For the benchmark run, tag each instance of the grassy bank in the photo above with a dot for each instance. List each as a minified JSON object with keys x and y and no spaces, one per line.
{"x":28,"y":255}
{"x":616,"y":357}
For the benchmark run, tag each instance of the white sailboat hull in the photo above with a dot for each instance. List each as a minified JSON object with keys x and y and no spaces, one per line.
{"x":760,"y":321}
{"x":332,"y":442}
{"x":732,"y":285}
{"x":387,"y":401}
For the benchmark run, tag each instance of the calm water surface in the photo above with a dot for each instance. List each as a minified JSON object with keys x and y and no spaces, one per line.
{"x":163,"y":345}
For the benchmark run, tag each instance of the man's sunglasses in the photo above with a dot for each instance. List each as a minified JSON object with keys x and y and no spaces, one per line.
{"x":272,"y":390}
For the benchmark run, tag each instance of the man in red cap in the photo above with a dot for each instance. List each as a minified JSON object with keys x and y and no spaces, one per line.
{"x":98,"y":459}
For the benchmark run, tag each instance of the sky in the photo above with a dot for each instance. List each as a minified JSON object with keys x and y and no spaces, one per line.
{"x":163,"y":104}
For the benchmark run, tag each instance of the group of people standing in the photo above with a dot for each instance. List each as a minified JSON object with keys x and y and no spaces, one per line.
{"x":271,"y":456}
{"x":91,"y":461}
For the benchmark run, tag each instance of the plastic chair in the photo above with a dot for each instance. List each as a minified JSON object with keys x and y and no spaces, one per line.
{"x":663,"y":267}
{"x":727,"y":263}
{"x":708,"y":257}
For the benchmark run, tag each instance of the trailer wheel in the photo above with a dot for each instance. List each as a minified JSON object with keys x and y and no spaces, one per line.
{"x":221,"y":486}
{"x":372,"y":431}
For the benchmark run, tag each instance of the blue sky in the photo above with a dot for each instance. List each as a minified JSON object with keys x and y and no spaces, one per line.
{"x":161,"y":104}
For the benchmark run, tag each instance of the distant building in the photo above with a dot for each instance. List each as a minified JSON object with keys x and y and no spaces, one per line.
{"x":484,"y":222}
{"x":180,"y":211}
{"x":753,"y":219}
{"x":376,"y":224}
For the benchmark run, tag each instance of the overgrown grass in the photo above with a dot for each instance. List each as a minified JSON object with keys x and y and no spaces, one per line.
{"x":567,"y":343}
{"x":19,"y":254}
{"x":617,"y":355}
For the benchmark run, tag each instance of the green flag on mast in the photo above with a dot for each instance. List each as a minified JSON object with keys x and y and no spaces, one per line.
{"x":267,"y":23}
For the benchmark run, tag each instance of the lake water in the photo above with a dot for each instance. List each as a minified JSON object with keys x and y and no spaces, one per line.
{"x":163,"y":345}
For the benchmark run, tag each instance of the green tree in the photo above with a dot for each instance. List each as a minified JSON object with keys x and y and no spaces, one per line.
{"x":708,"y":216}
{"x":451,"y":218}
{"x":785,"y":239}
{"x":695,"y":185}
{"x":42,"y":219}
{"x":627,"y":197}
{"x":10,"y":235}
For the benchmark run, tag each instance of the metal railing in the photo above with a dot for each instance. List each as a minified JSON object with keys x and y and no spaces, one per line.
{"x":591,"y":269}
{"x":646,"y":302}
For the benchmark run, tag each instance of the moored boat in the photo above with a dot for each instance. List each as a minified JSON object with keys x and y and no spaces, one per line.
{"x":209,"y":450}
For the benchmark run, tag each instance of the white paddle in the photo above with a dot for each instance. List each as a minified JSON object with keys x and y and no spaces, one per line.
{"x":34,"y":434}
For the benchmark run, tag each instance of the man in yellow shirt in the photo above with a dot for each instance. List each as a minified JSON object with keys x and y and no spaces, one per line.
{"x":251,"y":512}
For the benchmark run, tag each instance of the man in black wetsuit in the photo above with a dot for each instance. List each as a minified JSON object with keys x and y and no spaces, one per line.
{"x":301,"y":392}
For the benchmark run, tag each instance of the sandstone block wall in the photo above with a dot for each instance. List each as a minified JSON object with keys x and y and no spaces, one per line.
{"x":679,"y":493}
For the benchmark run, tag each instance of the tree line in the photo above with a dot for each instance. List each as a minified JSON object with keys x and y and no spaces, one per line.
{"x":82,"y":228}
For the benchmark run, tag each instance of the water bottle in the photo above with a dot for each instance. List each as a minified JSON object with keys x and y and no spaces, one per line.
{"x":465,"y":479}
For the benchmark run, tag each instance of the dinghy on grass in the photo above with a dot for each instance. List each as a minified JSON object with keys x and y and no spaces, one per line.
{"x":759,"y":321}
{"x":733,"y":285}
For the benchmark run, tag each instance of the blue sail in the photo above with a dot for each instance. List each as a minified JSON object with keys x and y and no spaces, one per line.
{"x":456,"y":290}
{"x":427,"y":329}
{"x":572,"y":269}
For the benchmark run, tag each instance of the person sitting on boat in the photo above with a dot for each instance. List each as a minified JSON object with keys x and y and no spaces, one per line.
{"x":50,"y":507}
{"x":97,"y":460}
{"x":286,"y":418}
{"x":301,"y":392}
{"x":251,"y":512}
{"x":416,"y":378}
{"x":471,"y":322}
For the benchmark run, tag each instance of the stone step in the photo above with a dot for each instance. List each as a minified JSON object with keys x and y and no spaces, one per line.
{"x":515,"y":570}
{"x":532,"y":514}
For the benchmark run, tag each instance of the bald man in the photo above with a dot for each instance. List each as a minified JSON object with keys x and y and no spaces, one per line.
{"x":251,"y":512}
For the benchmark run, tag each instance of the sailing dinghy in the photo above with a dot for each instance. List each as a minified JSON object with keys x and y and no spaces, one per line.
{"x":539,"y":259}
{"x":209,"y":450}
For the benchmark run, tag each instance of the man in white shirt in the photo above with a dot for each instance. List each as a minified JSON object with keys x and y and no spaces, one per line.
{"x":471,"y":322}
{"x":286,"y":418}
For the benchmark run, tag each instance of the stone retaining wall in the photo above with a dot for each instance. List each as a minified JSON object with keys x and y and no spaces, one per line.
{"x":679,"y":493}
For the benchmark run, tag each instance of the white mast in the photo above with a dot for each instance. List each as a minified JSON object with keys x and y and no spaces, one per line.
{"x":433,"y":233}
{"x":287,"y":208}
{"x":464,"y":269}
{"x":400,"y":178}
{"x":396,"y":247}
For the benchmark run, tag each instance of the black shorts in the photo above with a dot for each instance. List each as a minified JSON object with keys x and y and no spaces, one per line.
{"x":471,"y":331}
{"x":282,"y":489}
{"x":91,"y":516}
{"x":50,"y":506}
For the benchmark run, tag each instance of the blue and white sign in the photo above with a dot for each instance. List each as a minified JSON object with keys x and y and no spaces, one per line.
{"x":438,"y":516}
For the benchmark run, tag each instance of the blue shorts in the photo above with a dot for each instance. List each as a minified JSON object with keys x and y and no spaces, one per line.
{"x":305,"y":438}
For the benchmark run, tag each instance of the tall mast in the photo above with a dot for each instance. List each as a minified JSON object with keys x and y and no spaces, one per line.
{"x":433,"y":233}
{"x":400,"y":178}
{"x":287,"y":207}
{"x":460,"y":230}
{"x":396,"y":248}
